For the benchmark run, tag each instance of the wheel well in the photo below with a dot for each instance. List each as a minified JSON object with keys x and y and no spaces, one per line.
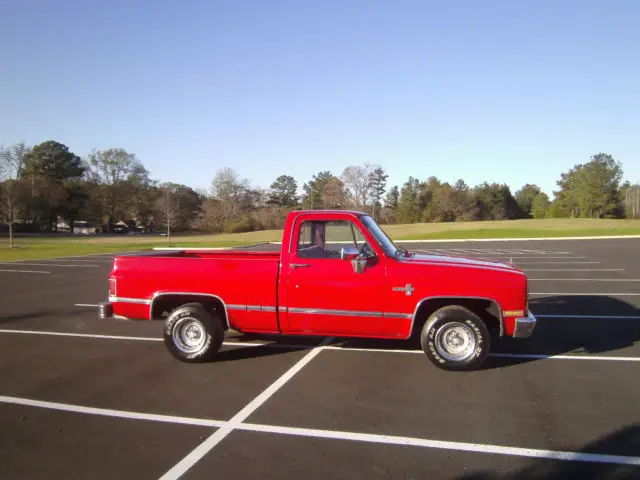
{"x":486,"y":309}
{"x":165,"y":304}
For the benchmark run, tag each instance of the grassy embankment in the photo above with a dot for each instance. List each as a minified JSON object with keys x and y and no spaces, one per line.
{"x":40,"y":247}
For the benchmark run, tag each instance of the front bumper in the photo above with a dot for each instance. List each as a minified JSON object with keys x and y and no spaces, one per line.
{"x":524,"y":326}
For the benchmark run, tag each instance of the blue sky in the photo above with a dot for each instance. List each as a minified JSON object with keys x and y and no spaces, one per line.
{"x":504,"y":91}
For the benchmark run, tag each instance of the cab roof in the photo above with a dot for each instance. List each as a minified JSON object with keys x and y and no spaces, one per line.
{"x":328,"y":212}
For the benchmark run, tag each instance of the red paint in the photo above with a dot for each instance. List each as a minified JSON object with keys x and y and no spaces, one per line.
{"x":268,"y":279}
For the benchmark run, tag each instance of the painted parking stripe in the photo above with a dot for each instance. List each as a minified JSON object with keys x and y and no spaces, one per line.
{"x":205,"y":447}
{"x":335,"y":434}
{"x":595,"y":317}
{"x":539,"y":356}
{"x":557,"y":263}
{"x":68,"y":260}
{"x":444,"y":445}
{"x":587,"y":294}
{"x":80,"y":335}
{"x":144,"y":339}
{"x":516,"y":257}
{"x":65,"y":407}
{"x":88,"y":255}
{"x":573,"y":269}
{"x":584,"y":280}
{"x":22,"y":271}
{"x":329,"y":347}
{"x":532,"y":356}
{"x":48,"y":264}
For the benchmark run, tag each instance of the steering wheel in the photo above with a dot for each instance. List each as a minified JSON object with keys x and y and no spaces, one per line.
{"x":365,"y":251}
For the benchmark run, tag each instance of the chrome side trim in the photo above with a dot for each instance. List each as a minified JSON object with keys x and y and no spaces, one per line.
{"x":156,"y":295}
{"x":344,"y":313}
{"x":497,"y":304}
{"x":324,"y":311}
{"x":398,"y":315}
{"x":236,"y":307}
{"x":139,"y":301}
{"x":256,"y":308}
{"x":524,"y":326}
{"x":263,"y":308}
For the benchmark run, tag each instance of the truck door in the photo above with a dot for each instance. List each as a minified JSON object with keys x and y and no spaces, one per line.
{"x":324,"y":294}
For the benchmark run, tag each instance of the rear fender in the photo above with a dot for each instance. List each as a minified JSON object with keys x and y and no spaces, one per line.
{"x":186,"y":297}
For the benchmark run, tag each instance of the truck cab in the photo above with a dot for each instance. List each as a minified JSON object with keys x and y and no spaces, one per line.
{"x":337,"y":274}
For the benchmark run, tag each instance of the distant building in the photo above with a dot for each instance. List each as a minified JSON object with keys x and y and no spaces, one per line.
{"x":83,"y":228}
{"x":80,"y":227}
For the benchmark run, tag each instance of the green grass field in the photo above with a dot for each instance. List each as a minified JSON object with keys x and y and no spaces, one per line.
{"x":34,"y":247}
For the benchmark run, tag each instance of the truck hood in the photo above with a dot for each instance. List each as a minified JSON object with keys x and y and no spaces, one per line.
{"x":419,"y":258}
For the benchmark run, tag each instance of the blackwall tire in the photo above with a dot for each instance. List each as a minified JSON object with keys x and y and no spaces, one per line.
{"x":455,"y":338}
{"x":193,"y":334}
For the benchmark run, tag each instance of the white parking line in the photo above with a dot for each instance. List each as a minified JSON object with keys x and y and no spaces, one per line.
{"x":345,"y":348}
{"x":51,"y":265}
{"x":65,"y":407}
{"x":72,"y":257}
{"x":556,"y":263}
{"x":565,"y":357}
{"x":205,"y":447}
{"x":330,"y":435}
{"x":536,"y":356}
{"x":587,"y":294}
{"x":22,"y":271}
{"x":574,"y":269}
{"x":67,"y":260}
{"x":86,"y":305}
{"x":595,"y":317}
{"x":146,"y":339}
{"x":585,"y":280}
{"x":444,"y":445}
{"x":80,"y":335}
{"x":514,"y":257}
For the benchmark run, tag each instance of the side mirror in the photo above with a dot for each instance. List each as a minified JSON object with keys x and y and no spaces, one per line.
{"x":347,"y":252}
{"x":359,"y":264}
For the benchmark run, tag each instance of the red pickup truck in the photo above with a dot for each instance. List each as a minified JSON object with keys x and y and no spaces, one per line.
{"x":337,"y":274}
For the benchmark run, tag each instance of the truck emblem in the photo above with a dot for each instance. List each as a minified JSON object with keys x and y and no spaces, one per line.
{"x":407,"y":289}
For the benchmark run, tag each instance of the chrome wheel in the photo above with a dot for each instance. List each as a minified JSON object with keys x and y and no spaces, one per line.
{"x":455,"y":341}
{"x":189,"y":335}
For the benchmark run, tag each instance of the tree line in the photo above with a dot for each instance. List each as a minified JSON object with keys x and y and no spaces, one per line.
{"x":48,"y":188}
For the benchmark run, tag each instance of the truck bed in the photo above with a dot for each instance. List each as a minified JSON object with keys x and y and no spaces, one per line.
{"x":245,"y":281}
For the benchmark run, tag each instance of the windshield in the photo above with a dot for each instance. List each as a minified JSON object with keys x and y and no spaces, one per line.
{"x":383,"y":239}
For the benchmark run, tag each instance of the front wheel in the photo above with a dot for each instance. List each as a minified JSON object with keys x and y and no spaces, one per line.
{"x":455,"y":338}
{"x":193,"y":334}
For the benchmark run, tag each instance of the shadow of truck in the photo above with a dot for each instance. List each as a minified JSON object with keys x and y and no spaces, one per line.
{"x":624,"y":442}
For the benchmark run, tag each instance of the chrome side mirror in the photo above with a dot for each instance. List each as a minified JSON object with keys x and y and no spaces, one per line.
{"x":359,"y":264}
{"x":346,"y":252}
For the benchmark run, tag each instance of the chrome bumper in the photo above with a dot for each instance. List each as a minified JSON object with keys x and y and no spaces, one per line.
{"x":524,"y":326}
{"x":105,"y":310}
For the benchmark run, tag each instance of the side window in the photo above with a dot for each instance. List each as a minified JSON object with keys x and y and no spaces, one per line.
{"x":325,"y":239}
{"x":306,"y":234}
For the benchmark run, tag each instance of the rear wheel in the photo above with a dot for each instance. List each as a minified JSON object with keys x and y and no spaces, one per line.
{"x":193,"y":334}
{"x":455,"y":338}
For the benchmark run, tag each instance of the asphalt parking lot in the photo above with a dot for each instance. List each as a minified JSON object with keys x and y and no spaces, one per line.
{"x":88,"y":398}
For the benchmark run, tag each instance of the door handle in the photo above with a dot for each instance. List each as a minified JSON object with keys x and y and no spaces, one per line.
{"x":300,"y":265}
